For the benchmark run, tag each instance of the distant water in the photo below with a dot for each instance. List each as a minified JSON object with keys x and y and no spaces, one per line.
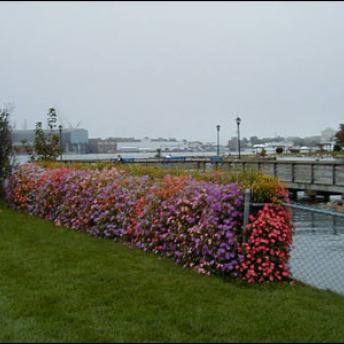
{"x":24,"y":158}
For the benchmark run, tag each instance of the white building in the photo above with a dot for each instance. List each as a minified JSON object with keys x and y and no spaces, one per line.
{"x":149,"y":145}
{"x":270,"y":148}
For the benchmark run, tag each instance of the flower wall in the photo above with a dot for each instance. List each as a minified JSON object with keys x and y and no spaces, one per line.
{"x":196,"y":222}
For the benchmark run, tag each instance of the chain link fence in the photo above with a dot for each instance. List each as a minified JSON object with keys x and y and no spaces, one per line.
{"x":317,"y":257}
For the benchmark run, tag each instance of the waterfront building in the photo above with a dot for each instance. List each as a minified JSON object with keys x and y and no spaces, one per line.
{"x":327,"y":145}
{"x":151,"y":145}
{"x":102,"y":146}
{"x":74,"y":140}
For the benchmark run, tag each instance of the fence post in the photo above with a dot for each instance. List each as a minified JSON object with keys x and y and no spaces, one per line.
{"x":247,"y":205}
{"x":334,"y":224}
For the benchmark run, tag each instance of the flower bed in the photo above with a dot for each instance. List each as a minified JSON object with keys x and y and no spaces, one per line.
{"x":197,"y":222}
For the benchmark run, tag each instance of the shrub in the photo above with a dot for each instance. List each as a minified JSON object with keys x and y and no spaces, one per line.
{"x":267,"y":249}
{"x":195,"y":220}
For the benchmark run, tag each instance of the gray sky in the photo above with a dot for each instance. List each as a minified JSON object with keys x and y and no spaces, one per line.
{"x":175,"y":69}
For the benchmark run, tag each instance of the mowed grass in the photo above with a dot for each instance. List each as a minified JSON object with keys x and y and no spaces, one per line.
{"x":59,"y":285}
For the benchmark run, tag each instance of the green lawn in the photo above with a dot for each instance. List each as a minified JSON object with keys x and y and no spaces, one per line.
{"x":59,"y":285}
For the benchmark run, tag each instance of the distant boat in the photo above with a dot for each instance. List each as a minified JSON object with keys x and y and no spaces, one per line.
{"x":305,"y":149}
{"x":294,"y":150}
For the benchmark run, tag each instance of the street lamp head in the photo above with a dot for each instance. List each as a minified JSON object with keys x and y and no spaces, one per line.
{"x":218,"y":127}
{"x":238,"y":120}
{"x":60,"y":127}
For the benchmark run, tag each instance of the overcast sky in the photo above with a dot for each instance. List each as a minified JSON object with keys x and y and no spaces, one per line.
{"x":175,"y":69}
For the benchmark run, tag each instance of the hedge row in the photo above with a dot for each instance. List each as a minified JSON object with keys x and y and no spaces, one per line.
{"x":197,"y":222}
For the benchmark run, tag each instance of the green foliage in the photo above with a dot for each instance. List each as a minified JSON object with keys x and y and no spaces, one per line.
{"x":340,"y":135}
{"x":6,"y":149}
{"x":46,"y":147}
{"x":263,"y":152}
{"x":52,"y":119}
{"x":337,"y":148}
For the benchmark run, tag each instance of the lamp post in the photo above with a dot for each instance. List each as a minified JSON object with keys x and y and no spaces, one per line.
{"x":60,"y":132}
{"x":238,"y":121}
{"x":218,"y":140}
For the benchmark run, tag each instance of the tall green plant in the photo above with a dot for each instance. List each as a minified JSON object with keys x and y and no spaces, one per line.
{"x":6,"y":149}
{"x":46,"y":146}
